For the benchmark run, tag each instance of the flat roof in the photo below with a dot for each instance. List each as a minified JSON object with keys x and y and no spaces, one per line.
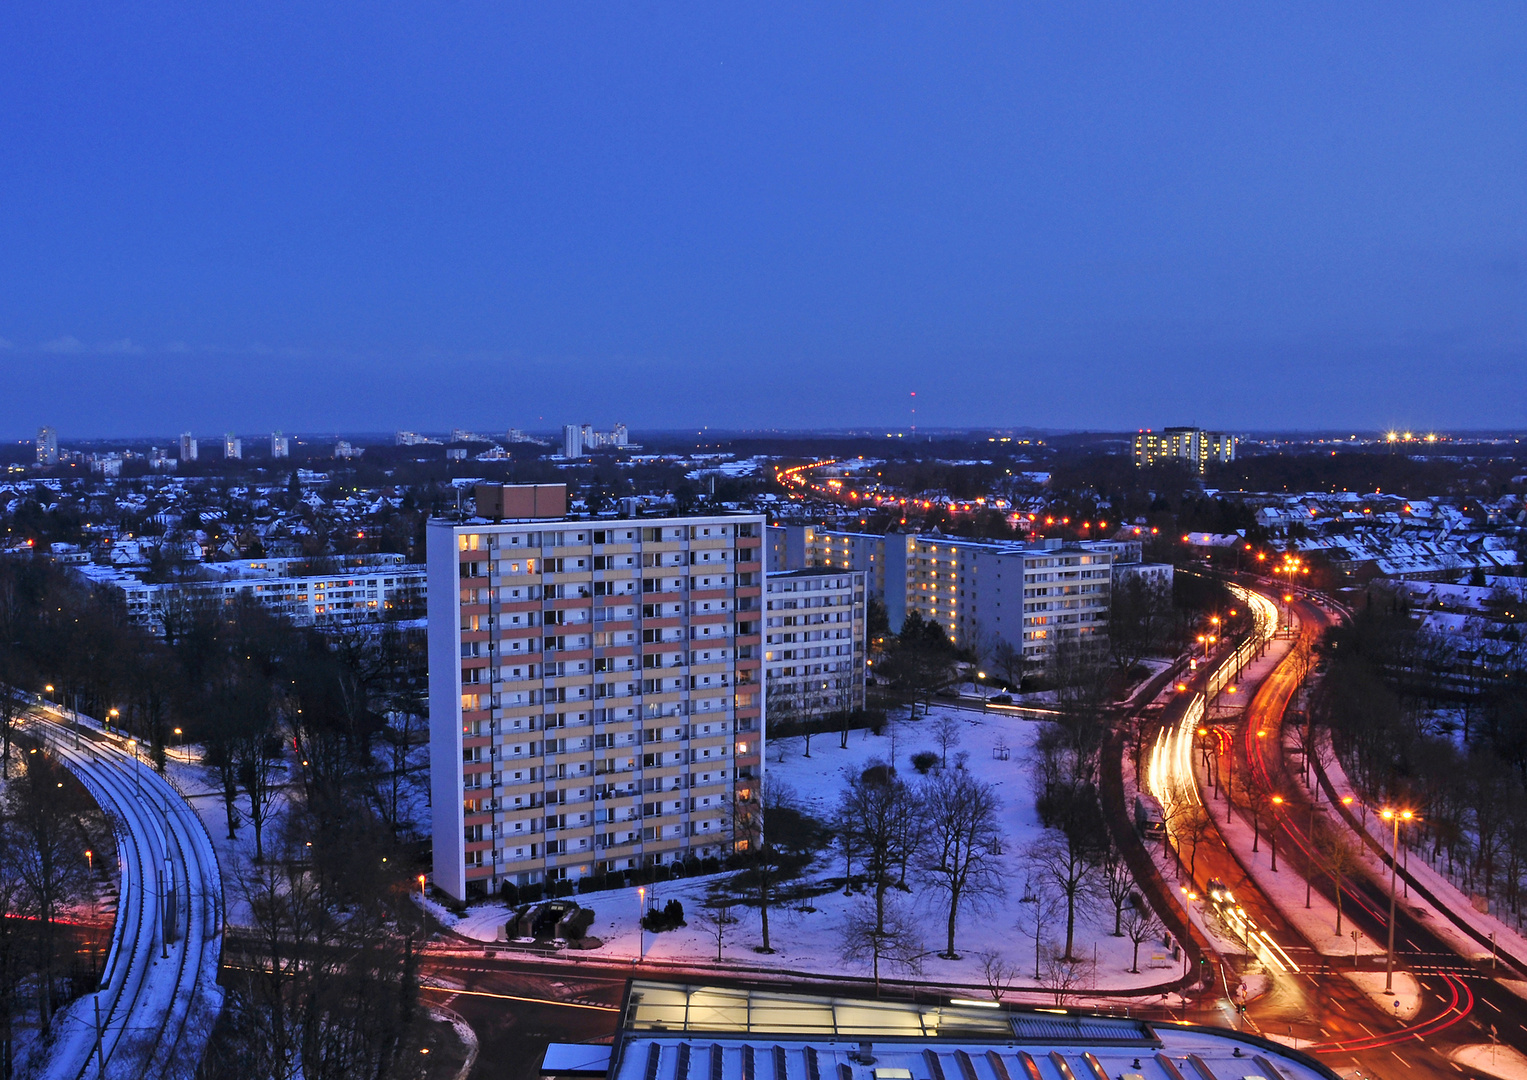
{"x":690,"y":1032}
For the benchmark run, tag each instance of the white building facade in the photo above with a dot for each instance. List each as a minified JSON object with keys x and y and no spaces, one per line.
{"x":814,"y":641}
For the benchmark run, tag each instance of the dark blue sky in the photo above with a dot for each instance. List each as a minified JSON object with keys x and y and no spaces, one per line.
{"x":330,"y":216}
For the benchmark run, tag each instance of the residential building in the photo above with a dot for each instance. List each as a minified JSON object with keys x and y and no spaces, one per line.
{"x":595,"y":689}
{"x":47,"y":446}
{"x":572,"y":441}
{"x":344,"y":450}
{"x":1192,"y":445}
{"x":413,"y":438}
{"x":310,"y":592}
{"x":802,"y":547}
{"x":279,"y":446}
{"x":674,"y":1031}
{"x":1034,"y":597}
{"x":814,"y":651}
{"x":233,"y":447}
{"x":187,"y":447}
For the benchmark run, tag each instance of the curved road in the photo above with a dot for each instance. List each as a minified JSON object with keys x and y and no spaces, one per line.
{"x":1310,"y":1000}
{"x":158,"y":996}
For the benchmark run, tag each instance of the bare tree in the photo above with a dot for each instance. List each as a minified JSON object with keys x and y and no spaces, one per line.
{"x":1117,"y":882}
{"x":884,"y":815}
{"x":1339,"y":860}
{"x":44,"y":806}
{"x":400,"y":740}
{"x":1067,"y":865}
{"x":1140,"y":926}
{"x":964,"y":843}
{"x":946,"y":732}
{"x":880,"y":932}
{"x":998,"y":974}
{"x":714,"y":918}
{"x":1064,"y":976}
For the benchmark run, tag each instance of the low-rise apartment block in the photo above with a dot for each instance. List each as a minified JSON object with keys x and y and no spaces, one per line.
{"x":596,"y":689}
{"x":814,"y":647}
{"x":310,"y":592}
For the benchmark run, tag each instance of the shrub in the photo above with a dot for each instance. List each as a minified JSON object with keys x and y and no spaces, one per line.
{"x":924,"y":760}
{"x":511,"y":893}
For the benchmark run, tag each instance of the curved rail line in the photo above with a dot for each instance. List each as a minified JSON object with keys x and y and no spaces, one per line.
{"x":157,"y":998}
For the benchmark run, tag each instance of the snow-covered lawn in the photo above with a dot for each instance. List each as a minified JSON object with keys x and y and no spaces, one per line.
{"x":806,"y":928}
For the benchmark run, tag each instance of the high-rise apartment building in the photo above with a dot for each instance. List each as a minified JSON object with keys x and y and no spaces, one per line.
{"x":1033,"y":597}
{"x":803,"y":547}
{"x":572,"y":441}
{"x":1192,"y":445}
{"x":596,"y":699}
{"x":233,"y":447}
{"x":814,"y":649}
{"x":47,"y":446}
{"x":279,"y":447}
{"x":187,"y":447}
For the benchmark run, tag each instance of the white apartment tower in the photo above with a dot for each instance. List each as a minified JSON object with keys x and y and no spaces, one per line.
{"x":233,"y":447}
{"x":187,"y":447}
{"x":572,"y":441}
{"x":279,"y":447}
{"x":47,"y":446}
{"x":596,"y":699}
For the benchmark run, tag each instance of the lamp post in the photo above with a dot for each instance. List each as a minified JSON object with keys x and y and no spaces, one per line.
{"x":1031,"y":897}
{"x":137,"y":780}
{"x":1272,"y":831}
{"x":1395,"y":816}
{"x":421,"y":880}
{"x":90,"y":860}
{"x":1188,"y":896}
{"x":641,"y":914}
{"x":180,"y":741}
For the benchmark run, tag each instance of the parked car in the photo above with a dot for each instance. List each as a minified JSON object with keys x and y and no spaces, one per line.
{"x":1000,"y":699}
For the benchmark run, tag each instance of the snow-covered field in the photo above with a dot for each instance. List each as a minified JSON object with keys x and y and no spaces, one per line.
{"x":806,"y":931}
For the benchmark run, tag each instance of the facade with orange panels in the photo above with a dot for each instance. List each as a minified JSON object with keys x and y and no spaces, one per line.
{"x":596,"y":694}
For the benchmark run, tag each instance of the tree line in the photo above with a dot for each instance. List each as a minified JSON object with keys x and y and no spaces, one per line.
{"x":314,"y":740}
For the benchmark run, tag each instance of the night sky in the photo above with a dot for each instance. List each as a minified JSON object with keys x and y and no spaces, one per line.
{"x":326,"y":217}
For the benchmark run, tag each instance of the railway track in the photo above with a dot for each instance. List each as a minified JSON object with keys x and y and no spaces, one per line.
{"x":158,"y":997}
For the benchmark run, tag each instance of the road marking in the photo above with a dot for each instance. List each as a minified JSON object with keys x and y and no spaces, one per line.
{"x":1365,"y":1028}
{"x":516,"y":997}
{"x":1491,"y":1004}
{"x":1401,"y":1060}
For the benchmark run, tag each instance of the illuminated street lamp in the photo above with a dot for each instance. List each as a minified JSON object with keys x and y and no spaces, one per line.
{"x":1272,"y":834}
{"x":421,"y":886}
{"x":90,"y":860}
{"x":1395,"y":816}
{"x":641,"y":913}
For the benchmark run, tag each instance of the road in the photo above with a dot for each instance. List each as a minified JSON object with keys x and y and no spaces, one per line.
{"x":1310,"y":999}
{"x":158,"y":995}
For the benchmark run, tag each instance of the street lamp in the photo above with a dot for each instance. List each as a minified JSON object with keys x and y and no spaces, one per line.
{"x":90,"y":860}
{"x":641,"y":914}
{"x":180,"y":741}
{"x":1272,"y":831}
{"x":421,"y":886}
{"x":1395,"y":816}
{"x":1188,"y":896}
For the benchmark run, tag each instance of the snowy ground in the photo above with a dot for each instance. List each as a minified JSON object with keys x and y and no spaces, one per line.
{"x":1505,"y":1062}
{"x":806,"y":930}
